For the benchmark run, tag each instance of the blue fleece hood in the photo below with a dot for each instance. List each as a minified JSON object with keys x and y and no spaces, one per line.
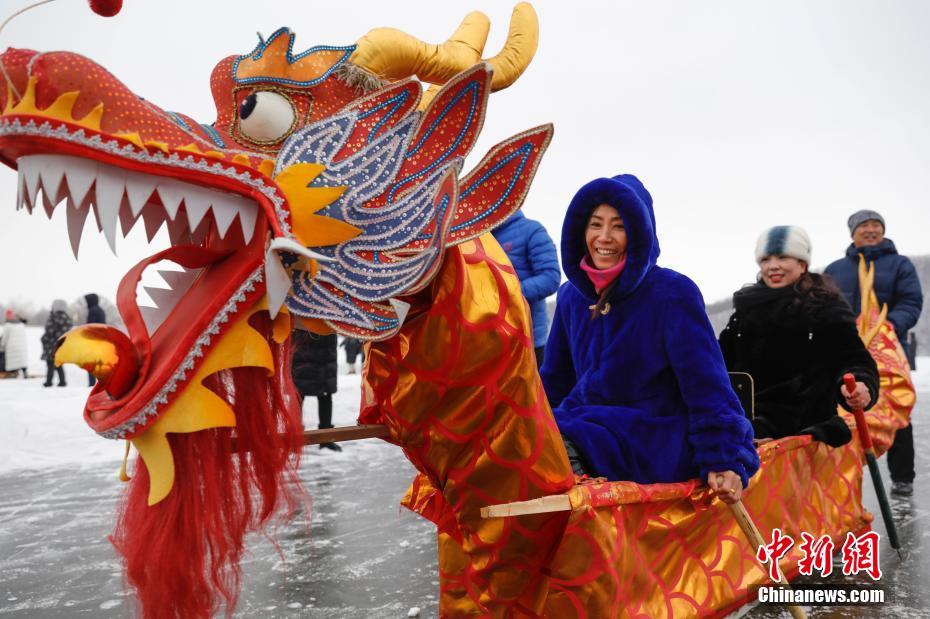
{"x":628,"y":195}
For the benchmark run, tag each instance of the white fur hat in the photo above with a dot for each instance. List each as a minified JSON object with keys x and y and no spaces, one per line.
{"x":784,"y":241}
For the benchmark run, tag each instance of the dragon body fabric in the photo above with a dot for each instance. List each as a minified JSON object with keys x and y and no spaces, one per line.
{"x":329,"y":195}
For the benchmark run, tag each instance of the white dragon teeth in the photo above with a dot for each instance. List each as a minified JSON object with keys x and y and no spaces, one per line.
{"x":171,"y":193}
{"x":31,"y":178}
{"x":79,"y":173}
{"x":180,"y":280}
{"x":121,"y":197}
{"x":77,"y":215}
{"x":197,"y":204}
{"x":165,"y":299}
{"x":139,"y":188}
{"x":109,"y":195}
{"x":224,"y":216}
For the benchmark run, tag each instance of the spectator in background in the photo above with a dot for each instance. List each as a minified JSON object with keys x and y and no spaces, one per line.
{"x":13,"y":343}
{"x":58,"y":324}
{"x":95,"y":315}
{"x":314,"y":370}
{"x":353,"y":349}
{"x":897,"y":285}
{"x":534,"y":258}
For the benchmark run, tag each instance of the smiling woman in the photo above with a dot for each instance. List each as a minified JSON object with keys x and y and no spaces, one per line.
{"x":797,"y":338}
{"x":636,"y":382}
{"x":605,"y":237}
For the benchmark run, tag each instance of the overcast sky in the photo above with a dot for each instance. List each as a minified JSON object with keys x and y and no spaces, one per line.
{"x":736,"y":115}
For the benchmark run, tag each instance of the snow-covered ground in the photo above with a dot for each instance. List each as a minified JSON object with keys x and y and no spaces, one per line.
{"x":44,"y":426}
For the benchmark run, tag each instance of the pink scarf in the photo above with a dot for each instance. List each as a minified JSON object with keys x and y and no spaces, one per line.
{"x":601,"y":278}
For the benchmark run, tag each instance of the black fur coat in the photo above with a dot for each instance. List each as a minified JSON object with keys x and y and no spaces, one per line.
{"x":314,"y":363}
{"x":797,"y":347}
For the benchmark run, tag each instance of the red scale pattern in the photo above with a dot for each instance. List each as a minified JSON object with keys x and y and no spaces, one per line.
{"x":452,"y":388}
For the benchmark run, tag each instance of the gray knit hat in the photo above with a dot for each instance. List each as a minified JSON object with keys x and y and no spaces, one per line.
{"x":784,"y":241}
{"x":860,"y":217}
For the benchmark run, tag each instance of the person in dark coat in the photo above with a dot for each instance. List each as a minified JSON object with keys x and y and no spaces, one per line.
{"x":897,"y":285}
{"x":796,"y":336}
{"x":58,"y":324}
{"x":95,"y":315}
{"x":533,"y":255}
{"x":353,"y":349}
{"x":632,"y":368}
{"x":314,"y":370}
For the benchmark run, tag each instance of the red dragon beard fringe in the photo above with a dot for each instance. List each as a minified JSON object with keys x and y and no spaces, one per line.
{"x":182,"y":554}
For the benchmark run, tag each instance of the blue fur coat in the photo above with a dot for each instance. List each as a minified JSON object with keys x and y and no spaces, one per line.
{"x":642,"y":391}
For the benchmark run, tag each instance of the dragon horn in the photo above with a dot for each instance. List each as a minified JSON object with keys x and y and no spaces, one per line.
{"x":393,"y":55}
{"x":518,"y":51}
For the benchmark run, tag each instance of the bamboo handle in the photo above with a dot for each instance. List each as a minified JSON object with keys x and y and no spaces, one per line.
{"x":751,"y":531}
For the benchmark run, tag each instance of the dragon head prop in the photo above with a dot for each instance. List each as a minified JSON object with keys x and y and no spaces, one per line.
{"x":323,"y":195}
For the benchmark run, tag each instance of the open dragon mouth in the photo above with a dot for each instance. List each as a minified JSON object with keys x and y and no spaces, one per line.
{"x":217,"y":238}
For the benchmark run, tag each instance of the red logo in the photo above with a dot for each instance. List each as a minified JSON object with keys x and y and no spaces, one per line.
{"x":772,"y":552}
{"x":860,"y":554}
{"x":818,"y":554}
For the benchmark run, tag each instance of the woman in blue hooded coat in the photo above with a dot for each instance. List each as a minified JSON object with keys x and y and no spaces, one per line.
{"x":633,"y":371}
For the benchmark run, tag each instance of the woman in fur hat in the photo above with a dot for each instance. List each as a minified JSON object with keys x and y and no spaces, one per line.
{"x":796,"y":336}
{"x":632,"y":368}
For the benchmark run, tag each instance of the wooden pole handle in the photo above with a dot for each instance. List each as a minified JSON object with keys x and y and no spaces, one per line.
{"x":751,"y":531}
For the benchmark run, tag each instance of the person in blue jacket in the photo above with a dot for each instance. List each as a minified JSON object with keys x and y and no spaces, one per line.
{"x":897,"y":285}
{"x":536,"y":262}
{"x":896,"y":281}
{"x":633,"y":371}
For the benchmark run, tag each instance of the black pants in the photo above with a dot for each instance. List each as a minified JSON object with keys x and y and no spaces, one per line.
{"x":324,"y":410}
{"x":901,"y":455}
{"x":50,"y":370}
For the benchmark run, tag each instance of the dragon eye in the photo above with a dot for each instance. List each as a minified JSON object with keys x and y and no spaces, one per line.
{"x":266,"y":116}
